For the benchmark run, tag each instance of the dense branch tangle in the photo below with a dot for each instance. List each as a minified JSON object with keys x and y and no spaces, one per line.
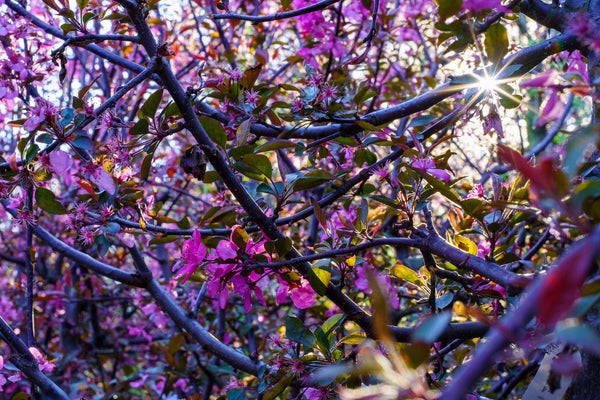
{"x":187,"y":113}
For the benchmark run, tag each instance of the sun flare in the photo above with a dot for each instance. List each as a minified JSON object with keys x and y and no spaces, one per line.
{"x":488,"y":83}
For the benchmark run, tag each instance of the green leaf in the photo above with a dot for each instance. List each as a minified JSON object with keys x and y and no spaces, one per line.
{"x":510,"y":101}
{"x":448,"y":8}
{"x":176,"y":343}
{"x":387,"y":201}
{"x":259,"y":162}
{"x":151,"y":105}
{"x":353,"y":338}
{"x":582,"y":336}
{"x":163,"y":240}
{"x":243,"y":133}
{"x":82,"y":142}
{"x":285,"y":4}
{"x":283,"y":246}
{"x":276,"y":144}
{"x":401,"y":271}
{"x":366,"y":126}
{"x":146,"y":166}
{"x":140,"y":127}
{"x":333,"y":322}
{"x":324,"y":276}
{"x":272,"y":392}
{"x":250,"y":76}
{"x":66,"y":28}
{"x":496,"y":43}
{"x":296,"y":331}
{"x":472,"y":207}
{"x":31,"y":153}
{"x":311,"y":180}
{"x":465,"y":245}
{"x":422,"y":120}
{"x":215,"y":130}
{"x":430,"y":330}
{"x":579,"y":143}
{"x":46,"y":200}
{"x":236,"y":394}
{"x":211,"y":176}
{"x":440,"y":186}
{"x":67,"y":115}
{"x":82,"y":4}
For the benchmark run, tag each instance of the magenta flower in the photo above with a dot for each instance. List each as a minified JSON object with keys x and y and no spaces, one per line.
{"x":322,"y":393}
{"x":428,"y":165}
{"x":232,"y":272}
{"x":362,"y":283}
{"x":476,"y":192}
{"x":193,"y":253}
{"x":303,"y":295}
{"x":382,"y":171}
{"x":43,"y":364}
{"x":544,"y":79}
{"x":483,"y":248}
{"x":252,"y":97}
{"x":552,"y":110}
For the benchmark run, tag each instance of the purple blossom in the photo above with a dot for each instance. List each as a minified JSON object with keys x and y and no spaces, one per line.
{"x":428,"y":165}
{"x":235,"y":74}
{"x":252,"y":97}
{"x":322,"y":393}
{"x":193,"y":253}
{"x":303,"y":295}
{"x":39,"y":113}
{"x":476,"y":192}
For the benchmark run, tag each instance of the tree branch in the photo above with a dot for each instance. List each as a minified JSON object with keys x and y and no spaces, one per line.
{"x":278,"y":16}
{"x":27,"y":363}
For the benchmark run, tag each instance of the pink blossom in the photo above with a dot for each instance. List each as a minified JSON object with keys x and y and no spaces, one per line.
{"x":493,"y":122}
{"x":544,"y":79}
{"x":483,"y":248}
{"x":476,"y":192}
{"x":382,"y":171}
{"x":298,"y":105}
{"x":193,"y":253}
{"x":137,"y":331}
{"x":43,"y":364}
{"x":252,"y":97}
{"x":235,"y":74}
{"x":87,"y":235}
{"x":60,"y":161}
{"x":328,"y":93}
{"x":428,"y":165}
{"x":362,"y":283}
{"x":100,"y":177}
{"x":311,"y":24}
{"x":303,"y":295}
{"x":552,"y":110}
{"x":322,"y":393}
{"x":25,"y":218}
{"x":577,"y":66}
{"x":232,"y":271}
{"x":182,"y":383}
{"x":139,"y":382}
{"x":39,"y":112}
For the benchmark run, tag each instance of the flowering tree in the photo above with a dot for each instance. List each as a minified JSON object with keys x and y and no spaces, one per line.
{"x":299,"y":200}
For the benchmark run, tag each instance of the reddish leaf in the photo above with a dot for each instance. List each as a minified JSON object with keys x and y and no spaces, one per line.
{"x":86,"y":186}
{"x":563,"y":284}
{"x":543,"y":178}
